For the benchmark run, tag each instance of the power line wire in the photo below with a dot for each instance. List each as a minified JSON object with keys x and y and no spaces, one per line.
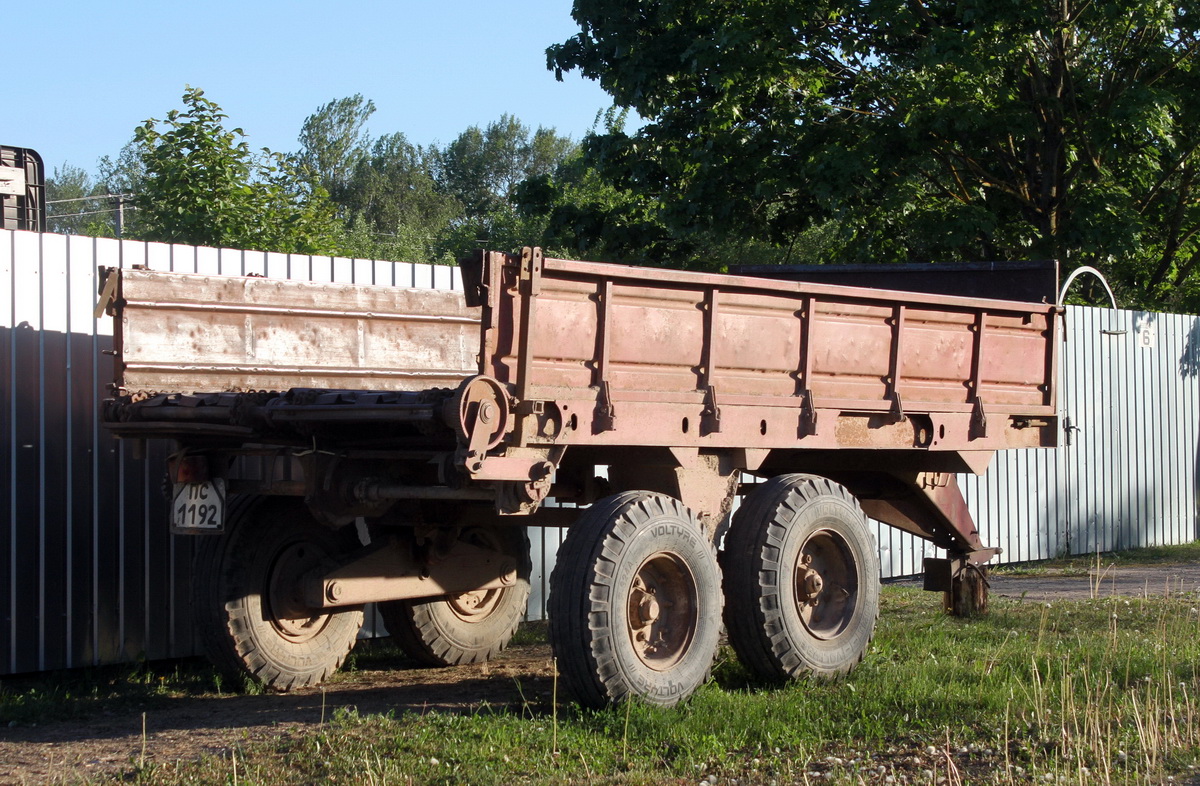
{"x":86,"y":198}
{"x":90,"y":213}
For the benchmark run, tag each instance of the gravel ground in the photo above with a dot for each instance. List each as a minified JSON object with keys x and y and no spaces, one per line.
{"x":1141,"y":581}
{"x":187,"y":728}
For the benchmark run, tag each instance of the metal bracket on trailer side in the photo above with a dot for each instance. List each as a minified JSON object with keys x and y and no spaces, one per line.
{"x":929,"y":505}
{"x":606,"y":409}
{"x":109,"y":279}
{"x":711,"y":416}
{"x":808,"y":414}
{"x":978,"y":418}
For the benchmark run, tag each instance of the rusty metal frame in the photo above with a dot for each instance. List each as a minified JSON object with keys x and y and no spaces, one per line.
{"x":713,"y":414}
{"x":187,"y":333}
{"x":931,"y":505}
{"x":388,"y":571}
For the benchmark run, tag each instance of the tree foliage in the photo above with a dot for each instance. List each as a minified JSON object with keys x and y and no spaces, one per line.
{"x":343,"y":192}
{"x":334,"y":141}
{"x":394,"y":186}
{"x":481,"y":169}
{"x":201,"y":184}
{"x":922,"y":130}
{"x":587,"y":212}
{"x":75,"y":203}
{"x":427,"y":204}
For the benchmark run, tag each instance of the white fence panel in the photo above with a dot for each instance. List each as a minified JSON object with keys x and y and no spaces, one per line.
{"x":90,"y":575}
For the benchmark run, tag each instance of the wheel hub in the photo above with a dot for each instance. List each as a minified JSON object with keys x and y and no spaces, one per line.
{"x":808,"y":582}
{"x":285,"y":608}
{"x":826,"y":584}
{"x":474,"y":606}
{"x":662,"y":611}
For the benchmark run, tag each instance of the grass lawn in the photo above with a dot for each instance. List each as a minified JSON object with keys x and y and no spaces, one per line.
{"x":1080,"y":564}
{"x":1080,"y":692}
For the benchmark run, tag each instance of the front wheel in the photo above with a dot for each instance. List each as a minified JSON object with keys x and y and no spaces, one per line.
{"x":801,"y":579}
{"x":635,"y":602}
{"x":250,"y":613}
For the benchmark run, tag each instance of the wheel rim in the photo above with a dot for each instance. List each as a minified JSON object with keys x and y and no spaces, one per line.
{"x":826,"y":584}
{"x":477,"y":605}
{"x":285,"y":608}
{"x":662,"y":615}
{"x":474,"y":606}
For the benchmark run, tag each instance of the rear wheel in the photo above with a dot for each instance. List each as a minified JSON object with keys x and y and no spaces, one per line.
{"x":248,"y":599}
{"x":635,"y":602}
{"x":801,"y":579}
{"x":470,"y":627}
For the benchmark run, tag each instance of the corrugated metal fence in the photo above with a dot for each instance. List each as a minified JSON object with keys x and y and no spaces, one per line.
{"x":90,"y":575}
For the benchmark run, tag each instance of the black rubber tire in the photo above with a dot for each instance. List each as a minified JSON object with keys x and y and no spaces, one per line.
{"x":779,"y":522}
{"x":232,"y":599}
{"x":617,"y":542}
{"x":436,"y":632}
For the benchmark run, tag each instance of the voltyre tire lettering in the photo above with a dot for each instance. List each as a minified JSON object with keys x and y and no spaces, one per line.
{"x":773,"y":600}
{"x":635,"y":602}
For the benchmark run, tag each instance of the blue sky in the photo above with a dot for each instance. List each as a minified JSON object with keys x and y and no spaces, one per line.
{"x":82,"y":74}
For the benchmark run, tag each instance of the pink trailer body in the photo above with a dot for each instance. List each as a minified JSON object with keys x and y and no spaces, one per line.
{"x":890,"y":393}
{"x":652,"y":357}
{"x":440,"y":424}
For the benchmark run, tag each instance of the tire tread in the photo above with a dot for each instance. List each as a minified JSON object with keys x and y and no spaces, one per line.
{"x":226,"y":635}
{"x":581,"y":606}
{"x":752,"y":547}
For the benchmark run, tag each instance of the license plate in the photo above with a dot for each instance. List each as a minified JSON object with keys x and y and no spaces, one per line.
{"x":198,"y":508}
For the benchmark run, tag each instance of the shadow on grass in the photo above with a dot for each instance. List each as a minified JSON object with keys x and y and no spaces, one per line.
{"x":189,"y":693}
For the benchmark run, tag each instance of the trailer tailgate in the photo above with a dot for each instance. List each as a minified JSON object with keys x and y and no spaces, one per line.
{"x":188,"y":333}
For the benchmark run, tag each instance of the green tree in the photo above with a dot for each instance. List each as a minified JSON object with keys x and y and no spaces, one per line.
{"x":584,"y":214}
{"x":393,"y":186}
{"x":76,"y":204}
{"x":384,"y":189}
{"x":398,"y":200}
{"x":926,"y":130}
{"x":482,"y":168}
{"x":122,"y":174}
{"x":334,"y":141}
{"x":580,"y":211}
{"x":201,"y":184}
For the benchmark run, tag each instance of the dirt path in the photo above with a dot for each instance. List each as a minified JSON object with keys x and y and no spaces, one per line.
{"x":1143,"y":581}
{"x":110,"y":742}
